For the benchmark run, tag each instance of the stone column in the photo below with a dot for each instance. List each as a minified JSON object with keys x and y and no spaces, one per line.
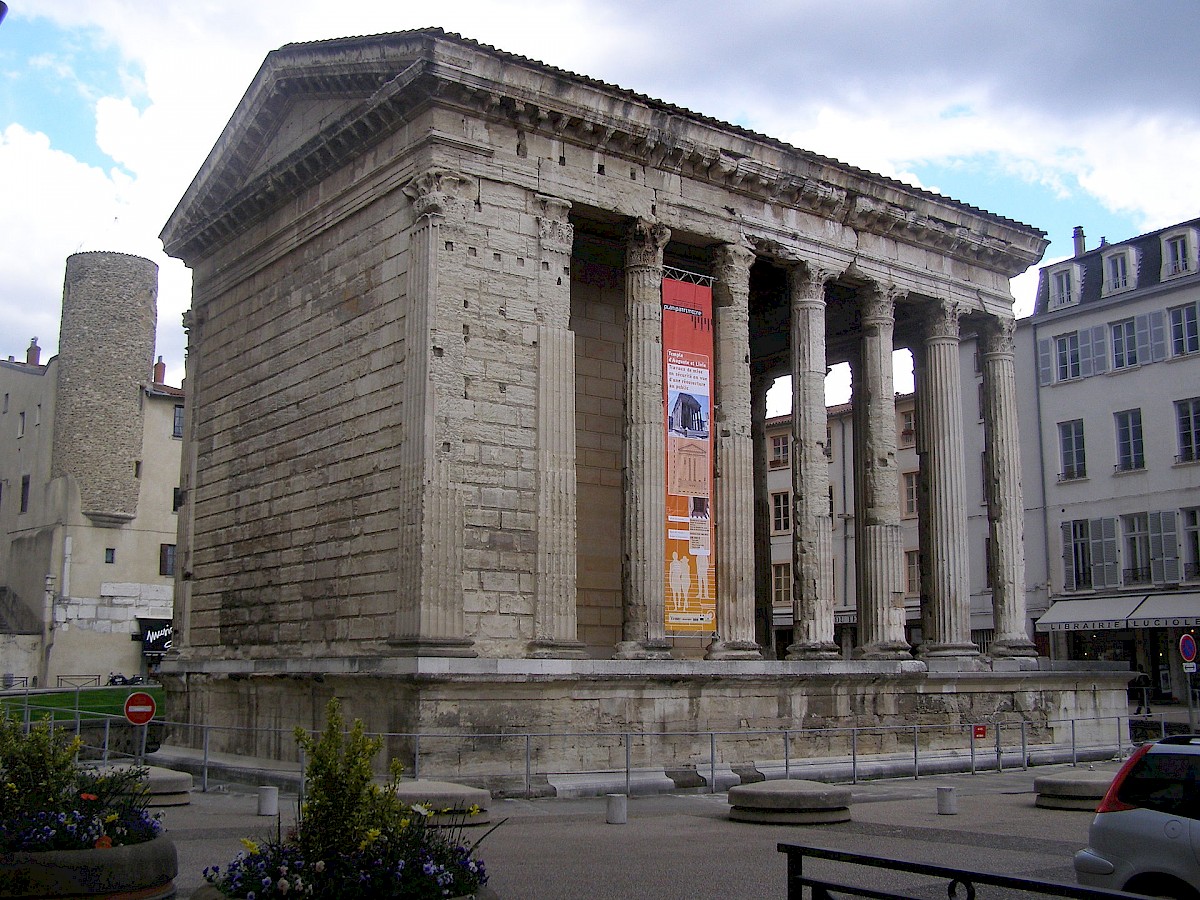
{"x":1002,"y":455}
{"x":946,"y":611}
{"x":429,"y":621}
{"x":555,"y":617}
{"x":812,"y":534}
{"x":764,"y":613}
{"x":734,"y":452}
{"x":879,"y":547}
{"x":644,"y":527}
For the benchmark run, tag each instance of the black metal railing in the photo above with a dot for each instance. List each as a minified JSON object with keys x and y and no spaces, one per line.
{"x":953,"y":883}
{"x":1136,"y":575}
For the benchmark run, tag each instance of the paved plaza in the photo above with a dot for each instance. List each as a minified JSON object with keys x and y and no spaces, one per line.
{"x":683,"y":845}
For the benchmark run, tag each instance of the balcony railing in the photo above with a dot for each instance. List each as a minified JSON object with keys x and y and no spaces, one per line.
{"x":1138,"y":575}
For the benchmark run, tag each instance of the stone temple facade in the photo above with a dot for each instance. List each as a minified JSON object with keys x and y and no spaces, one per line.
{"x":427,"y":425}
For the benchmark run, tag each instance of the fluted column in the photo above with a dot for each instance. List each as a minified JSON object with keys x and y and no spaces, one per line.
{"x":555,"y":617}
{"x":430,"y":621}
{"x":764,"y":607}
{"x":812,"y":534}
{"x":879,"y":547}
{"x":644,"y":527}
{"x":946,"y":613}
{"x":1002,"y":456}
{"x":734,"y":451}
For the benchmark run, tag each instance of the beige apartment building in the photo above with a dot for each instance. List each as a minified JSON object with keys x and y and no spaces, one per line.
{"x":89,"y":471}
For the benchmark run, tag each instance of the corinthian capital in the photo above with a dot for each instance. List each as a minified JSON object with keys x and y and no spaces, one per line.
{"x":878,"y":303}
{"x":732,"y":269}
{"x":998,"y":335}
{"x":647,"y":240}
{"x":438,"y":192}
{"x":807,"y":281}
{"x":941,"y":319}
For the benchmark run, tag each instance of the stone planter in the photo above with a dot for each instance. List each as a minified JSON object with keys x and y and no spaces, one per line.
{"x":143,"y":871}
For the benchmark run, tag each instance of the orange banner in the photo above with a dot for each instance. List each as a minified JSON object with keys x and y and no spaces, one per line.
{"x":691,"y":595}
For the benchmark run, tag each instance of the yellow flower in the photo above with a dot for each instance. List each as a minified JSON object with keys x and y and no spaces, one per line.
{"x":474,"y":810}
{"x":372,"y":836}
{"x":404,"y":823}
{"x":111,"y":817}
{"x":251,"y":847}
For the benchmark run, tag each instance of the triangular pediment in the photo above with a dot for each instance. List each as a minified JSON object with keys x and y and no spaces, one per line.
{"x":302,"y":119}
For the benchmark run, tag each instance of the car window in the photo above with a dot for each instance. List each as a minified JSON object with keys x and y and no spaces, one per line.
{"x":1165,"y":782}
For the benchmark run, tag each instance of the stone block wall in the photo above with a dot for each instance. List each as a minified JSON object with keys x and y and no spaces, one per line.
{"x":470,"y":725}
{"x":298,"y":416}
{"x":106,"y":348}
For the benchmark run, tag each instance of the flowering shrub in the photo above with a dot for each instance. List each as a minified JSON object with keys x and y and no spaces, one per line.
{"x":49,"y":802}
{"x":355,"y":839}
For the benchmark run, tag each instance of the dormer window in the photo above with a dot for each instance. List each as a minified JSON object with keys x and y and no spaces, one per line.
{"x":1064,"y":287}
{"x":1178,"y":253}
{"x":1119,"y":273}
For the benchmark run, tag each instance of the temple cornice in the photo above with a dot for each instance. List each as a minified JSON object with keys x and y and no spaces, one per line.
{"x":387,"y":80}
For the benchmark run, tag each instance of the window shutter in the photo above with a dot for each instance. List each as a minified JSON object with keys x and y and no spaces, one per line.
{"x":1086,"y":364}
{"x":1141,"y":328}
{"x":1099,"y":349}
{"x":1045,"y":362}
{"x":1105,"y":570}
{"x":1158,"y":335}
{"x":1164,"y":552}
{"x":1068,"y":555}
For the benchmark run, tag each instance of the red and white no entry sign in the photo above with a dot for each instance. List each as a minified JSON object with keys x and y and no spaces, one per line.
{"x":139,"y":708}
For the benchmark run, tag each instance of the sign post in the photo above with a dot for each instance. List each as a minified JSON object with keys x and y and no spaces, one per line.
{"x":1187,"y":649}
{"x":139,"y":710}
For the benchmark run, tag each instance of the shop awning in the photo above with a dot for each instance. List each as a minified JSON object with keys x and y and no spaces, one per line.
{"x":1172,"y":610}
{"x":1090,"y":613}
{"x":1167,"y":611}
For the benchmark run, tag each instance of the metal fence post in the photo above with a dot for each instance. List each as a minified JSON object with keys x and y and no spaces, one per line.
{"x":628,"y":762}
{"x":712,"y":762}
{"x":303,"y":780}
{"x":416,"y":756}
{"x":999,"y":752}
{"x":916,"y":744}
{"x":1074,"y":751}
{"x":204,"y":765}
{"x":787,"y":756}
{"x":854,"y":755}
{"x":1024,"y":747}
{"x":104,"y":754}
{"x":528,"y":765}
{"x":972,"y":727}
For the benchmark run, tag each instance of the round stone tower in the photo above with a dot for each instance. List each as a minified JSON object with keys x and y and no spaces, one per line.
{"x":105,"y":354}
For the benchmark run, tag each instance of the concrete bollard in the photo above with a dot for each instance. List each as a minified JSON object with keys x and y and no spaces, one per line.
{"x":618,"y":809}
{"x":947,"y":803}
{"x":268,"y":800}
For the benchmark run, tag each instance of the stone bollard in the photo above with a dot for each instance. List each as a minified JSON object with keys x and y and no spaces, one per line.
{"x":268,"y":800}
{"x":947,"y":803}
{"x":618,"y":809}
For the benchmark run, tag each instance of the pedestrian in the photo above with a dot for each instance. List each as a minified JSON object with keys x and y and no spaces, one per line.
{"x":1141,"y":687}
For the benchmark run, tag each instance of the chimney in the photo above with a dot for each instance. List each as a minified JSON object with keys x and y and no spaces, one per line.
{"x":1080,"y":241}
{"x":33,"y":353}
{"x":160,"y":372}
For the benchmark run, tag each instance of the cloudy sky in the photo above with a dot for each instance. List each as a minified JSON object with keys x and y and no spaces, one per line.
{"x":1056,"y":114}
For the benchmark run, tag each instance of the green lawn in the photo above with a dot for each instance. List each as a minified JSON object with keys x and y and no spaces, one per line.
{"x":91,"y":701}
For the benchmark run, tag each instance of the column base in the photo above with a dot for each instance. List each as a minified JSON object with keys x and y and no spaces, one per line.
{"x":942,"y":651}
{"x":1015,"y":646}
{"x":884,"y":650}
{"x":733,"y":650}
{"x":814,"y":650}
{"x":460,"y":647}
{"x":648,"y":649}
{"x":550,"y":649}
